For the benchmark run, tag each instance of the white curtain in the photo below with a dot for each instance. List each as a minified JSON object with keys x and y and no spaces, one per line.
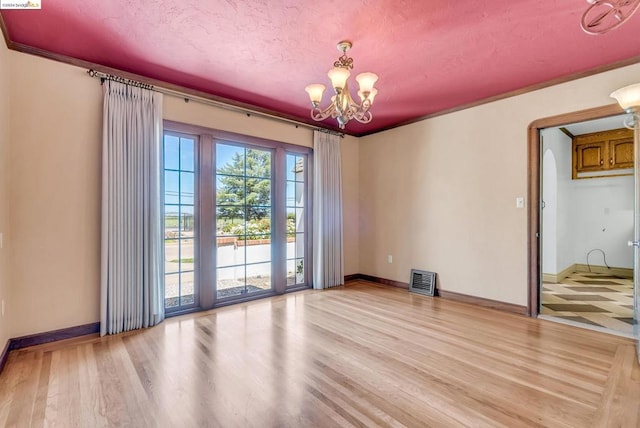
{"x":328,"y":260}
{"x":132,"y":294}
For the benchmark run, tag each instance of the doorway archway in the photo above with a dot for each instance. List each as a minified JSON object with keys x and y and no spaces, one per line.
{"x":534,"y":191}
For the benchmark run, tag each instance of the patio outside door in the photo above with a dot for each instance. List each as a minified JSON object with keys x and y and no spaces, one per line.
{"x":243,"y":217}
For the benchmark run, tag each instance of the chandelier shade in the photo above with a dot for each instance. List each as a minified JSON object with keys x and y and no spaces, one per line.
{"x":366,"y":81}
{"x":343,"y":108}
{"x":315,"y":92}
{"x":338,"y":77}
{"x":628,"y":97}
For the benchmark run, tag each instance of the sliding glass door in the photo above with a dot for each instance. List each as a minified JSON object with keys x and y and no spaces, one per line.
{"x":236,"y":217}
{"x":243,"y":220}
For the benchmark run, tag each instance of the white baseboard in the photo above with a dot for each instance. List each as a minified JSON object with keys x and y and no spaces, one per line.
{"x":614,"y":271}
{"x":555,"y":278}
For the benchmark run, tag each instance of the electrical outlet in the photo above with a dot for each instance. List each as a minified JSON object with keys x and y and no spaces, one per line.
{"x":390,"y":258}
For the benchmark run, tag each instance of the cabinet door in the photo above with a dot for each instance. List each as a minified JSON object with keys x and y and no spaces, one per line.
{"x":621,"y":153}
{"x":590,"y":156}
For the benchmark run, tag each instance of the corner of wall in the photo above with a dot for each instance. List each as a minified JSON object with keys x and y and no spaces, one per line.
{"x":5,"y":311}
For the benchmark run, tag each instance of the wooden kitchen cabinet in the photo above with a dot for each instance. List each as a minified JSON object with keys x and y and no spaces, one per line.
{"x":607,"y":152}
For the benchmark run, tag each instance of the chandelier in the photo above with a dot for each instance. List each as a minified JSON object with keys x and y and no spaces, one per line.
{"x":343,"y":107}
{"x":604,"y":15}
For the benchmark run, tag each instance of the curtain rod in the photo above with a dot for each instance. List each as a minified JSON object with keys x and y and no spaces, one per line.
{"x":187,"y":97}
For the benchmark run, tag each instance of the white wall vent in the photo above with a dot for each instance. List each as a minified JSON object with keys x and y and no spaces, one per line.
{"x":422,"y":282}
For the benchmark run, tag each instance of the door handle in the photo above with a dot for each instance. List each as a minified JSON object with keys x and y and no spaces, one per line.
{"x":633,"y":243}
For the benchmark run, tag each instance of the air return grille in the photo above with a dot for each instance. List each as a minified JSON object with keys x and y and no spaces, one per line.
{"x":422,"y":282}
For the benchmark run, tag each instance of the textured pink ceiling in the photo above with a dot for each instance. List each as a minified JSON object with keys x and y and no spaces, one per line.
{"x":430,"y":55}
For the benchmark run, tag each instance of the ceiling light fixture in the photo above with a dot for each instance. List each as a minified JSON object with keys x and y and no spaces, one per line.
{"x":629,"y":99}
{"x":343,"y":107}
{"x":605,"y":15}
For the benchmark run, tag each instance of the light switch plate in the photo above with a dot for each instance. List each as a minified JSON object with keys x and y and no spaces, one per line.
{"x":520,"y":202}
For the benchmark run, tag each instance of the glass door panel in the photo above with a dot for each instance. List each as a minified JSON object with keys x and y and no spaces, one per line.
{"x":296,"y":201}
{"x":179,"y":221}
{"x":243,"y":220}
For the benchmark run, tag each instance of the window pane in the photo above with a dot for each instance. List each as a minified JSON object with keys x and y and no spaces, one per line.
{"x":299,"y":194}
{"x":171,"y":187}
{"x":299,"y":271}
{"x":187,"y":288}
{"x":229,"y":252}
{"x":258,"y":163}
{"x":230,"y":281}
{"x":230,"y":220}
{"x":171,"y":290}
{"x":299,"y":168}
{"x":230,"y":190}
{"x":291,"y":162}
{"x":187,"y":261}
{"x":258,"y":191}
{"x":187,"y":180}
{"x":300,"y":245}
{"x":186,"y":221}
{"x":291,"y":220}
{"x":171,"y":256}
{"x":258,"y":249}
{"x":291,"y":272}
{"x":187,"y":158}
{"x":171,"y":152}
{"x":291,"y":194}
{"x":299,"y":220}
{"x":258,"y":221}
{"x":258,"y":277}
{"x":229,"y":159}
{"x":291,"y":245}
{"x":171,"y":215}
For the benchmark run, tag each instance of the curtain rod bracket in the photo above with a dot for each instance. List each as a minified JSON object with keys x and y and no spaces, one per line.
{"x":330,"y":131}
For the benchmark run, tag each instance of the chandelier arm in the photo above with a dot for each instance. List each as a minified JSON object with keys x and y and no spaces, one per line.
{"x":363,"y":117}
{"x":319,"y":114}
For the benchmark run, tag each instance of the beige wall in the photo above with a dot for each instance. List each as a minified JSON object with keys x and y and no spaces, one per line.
{"x":4,"y":197}
{"x":440,"y":194}
{"x":351,"y":203}
{"x":55,"y":196}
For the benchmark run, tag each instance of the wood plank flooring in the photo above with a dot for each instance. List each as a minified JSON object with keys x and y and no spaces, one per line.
{"x":362,"y":355}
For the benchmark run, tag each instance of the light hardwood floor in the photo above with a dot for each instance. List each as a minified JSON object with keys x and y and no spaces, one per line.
{"x":360,"y":355}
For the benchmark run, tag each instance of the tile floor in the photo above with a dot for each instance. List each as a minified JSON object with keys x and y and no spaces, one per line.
{"x":596,"y":299}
